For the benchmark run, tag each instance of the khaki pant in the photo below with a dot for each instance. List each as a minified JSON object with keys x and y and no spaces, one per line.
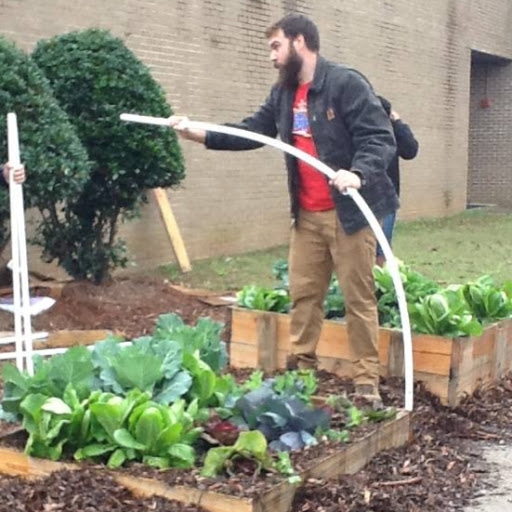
{"x":318,"y":246}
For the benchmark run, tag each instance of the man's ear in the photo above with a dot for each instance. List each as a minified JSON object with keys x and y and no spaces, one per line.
{"x":299,"y":42}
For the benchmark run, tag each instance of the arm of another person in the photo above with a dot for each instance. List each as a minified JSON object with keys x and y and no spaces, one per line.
{"x":406,"y":144}
{"x":370,"y":128}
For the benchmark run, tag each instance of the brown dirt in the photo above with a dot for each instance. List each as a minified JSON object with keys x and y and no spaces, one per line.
{"x":131,"y":306}
{"x":79,"y":491}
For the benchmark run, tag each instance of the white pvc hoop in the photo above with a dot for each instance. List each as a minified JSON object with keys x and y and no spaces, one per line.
{"x":22,"y":320}
{"x":354,"y":194}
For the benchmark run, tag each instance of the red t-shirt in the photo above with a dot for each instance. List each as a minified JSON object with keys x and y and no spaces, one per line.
{"x":314,"y":194}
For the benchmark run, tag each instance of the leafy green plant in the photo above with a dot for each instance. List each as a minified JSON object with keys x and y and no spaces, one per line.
{"x":336,"y":436}
{"x":263,"y":299}
{"x":416,"y":286}
{"x":204,"y":336}
{"x":51,"y":377}
{"x":299,"y":383}
{"x":48,"y":421}
{"x":334,"y":302}
{"x":283,"y":465}
{"x":248,"y":454}
{"x":486,"y":301}
{"x":150,"y":365}
{"x":160,"y":436}
{"x":286,"y":421}
{"x":122,"y":428}
{"x":56,"y":160}
{"x":249,"y":446}
{"x":255,"y":381}
{"x":95,"y":78}
{"x":280,"y":272}
{"x":168,"y":365}
{"x":444,"y":313}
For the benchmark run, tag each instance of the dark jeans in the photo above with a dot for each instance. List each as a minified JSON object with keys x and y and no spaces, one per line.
{"x":388,"y":223}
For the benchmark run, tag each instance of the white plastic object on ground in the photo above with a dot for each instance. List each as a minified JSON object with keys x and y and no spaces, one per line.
{"x":353,"y":193}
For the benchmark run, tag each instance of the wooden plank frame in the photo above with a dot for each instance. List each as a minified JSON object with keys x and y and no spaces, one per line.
{"x":347,"y":460}
{"x":450,"y":368}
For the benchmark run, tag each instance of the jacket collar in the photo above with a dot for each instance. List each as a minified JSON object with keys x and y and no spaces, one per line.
{"x":320,"y":73}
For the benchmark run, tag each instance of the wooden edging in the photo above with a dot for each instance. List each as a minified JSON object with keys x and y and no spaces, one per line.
{"x":73,"y":338}
{"x":348,"y":460}
{"x":450,"y":368}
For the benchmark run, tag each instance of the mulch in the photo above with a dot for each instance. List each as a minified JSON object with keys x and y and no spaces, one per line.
{"x":79,"y":491}
{"x":130,"y":306}
{"x":440,"y":470}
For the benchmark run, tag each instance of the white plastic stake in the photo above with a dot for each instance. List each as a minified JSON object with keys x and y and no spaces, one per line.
{"x":354,"y":194}
{"x":22,"y":321}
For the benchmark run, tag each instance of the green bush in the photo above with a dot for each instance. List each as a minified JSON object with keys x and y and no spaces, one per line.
{"x":56,"y":160}
{"x":95,"y":78}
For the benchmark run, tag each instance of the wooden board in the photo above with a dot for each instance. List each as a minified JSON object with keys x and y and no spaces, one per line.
{"x":450,"y":368}
{"x":333,"y":342}
{"x":72,"y":338}
{"x":348,"y":460}
{"x":172,"y":228}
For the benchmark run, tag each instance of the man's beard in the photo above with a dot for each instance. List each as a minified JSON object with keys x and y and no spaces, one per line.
{"x":289,"y":72}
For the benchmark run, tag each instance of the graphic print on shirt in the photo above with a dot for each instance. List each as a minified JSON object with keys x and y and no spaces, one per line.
{"x":300,"y":119}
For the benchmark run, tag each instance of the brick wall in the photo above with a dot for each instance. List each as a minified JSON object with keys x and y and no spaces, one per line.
{"x":211,"y":58}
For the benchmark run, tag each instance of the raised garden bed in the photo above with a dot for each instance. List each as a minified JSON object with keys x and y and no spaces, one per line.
{"x":450,"y":368}
{"x":348,"y":459}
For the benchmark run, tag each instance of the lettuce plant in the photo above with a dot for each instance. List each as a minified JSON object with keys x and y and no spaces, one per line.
{"x":486,"y":301}
{"x":444,"y":313}
{"x":263,"y":299}
{"x":249,"y":445}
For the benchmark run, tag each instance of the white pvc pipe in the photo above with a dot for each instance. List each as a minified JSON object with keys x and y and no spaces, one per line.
{"x":14,"y":158}
{"x":354,"y":194}
{"x":22,"y":326}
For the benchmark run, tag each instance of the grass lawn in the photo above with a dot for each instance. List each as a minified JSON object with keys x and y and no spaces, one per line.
{"x":449,"y":250}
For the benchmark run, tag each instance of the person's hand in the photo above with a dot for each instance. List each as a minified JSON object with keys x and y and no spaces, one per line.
{"x":179,"y":123}
{"x":393,"y":115}
{"x":19,"y":173}
{"x":345,"y":179}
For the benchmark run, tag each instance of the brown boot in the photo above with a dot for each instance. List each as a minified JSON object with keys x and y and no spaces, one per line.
{"x":301,"y":362}
{"x":368,"y":394}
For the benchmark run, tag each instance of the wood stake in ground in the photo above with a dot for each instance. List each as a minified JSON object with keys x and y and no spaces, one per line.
{"x":172,"y":229}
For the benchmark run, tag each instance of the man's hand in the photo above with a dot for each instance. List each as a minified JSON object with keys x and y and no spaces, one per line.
{"x":393,"y":115}
{"x":179,"y":123}
{"x":345,"y":179}
{"x":19,"y":173}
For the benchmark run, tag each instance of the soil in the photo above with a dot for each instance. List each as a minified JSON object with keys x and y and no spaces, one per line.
{"x":130,"y":306}
{"x":442,"y":469}
{"x":79,"y":491}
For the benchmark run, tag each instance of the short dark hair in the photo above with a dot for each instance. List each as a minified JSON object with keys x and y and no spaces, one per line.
{"x":294,"y":25}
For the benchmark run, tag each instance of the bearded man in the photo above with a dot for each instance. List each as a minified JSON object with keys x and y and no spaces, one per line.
{"x":331,"y":112}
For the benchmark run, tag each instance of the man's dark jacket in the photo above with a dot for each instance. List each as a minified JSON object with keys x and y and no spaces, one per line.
{"x":350,"y":130}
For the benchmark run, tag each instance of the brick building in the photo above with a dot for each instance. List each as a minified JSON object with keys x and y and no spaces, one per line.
{"x":439,"y":63}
